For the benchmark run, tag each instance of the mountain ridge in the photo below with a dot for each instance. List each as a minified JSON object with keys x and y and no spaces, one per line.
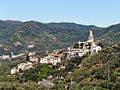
{"x":49,"y":36}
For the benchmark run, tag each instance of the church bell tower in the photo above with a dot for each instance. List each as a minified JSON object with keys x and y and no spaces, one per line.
{"x":90,"y":37}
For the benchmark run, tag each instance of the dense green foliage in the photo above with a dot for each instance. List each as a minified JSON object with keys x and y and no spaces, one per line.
{"x":100,"y":71}
{"x":91,"y":72}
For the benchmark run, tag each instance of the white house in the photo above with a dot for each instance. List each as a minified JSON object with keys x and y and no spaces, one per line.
{"x":33,"y":59}
{"x":14,"y":70}
{"x":50,"y":59}
{"x":22,"y":66}
{"x":70,"y":53}
{"x":25,"y":66}
{"x":31,"y":54}
{"x":31,"y":46}
{"x":6,"y":57}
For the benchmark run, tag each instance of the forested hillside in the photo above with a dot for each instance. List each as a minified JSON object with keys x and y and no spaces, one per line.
{"x":91,"y":72}
{"x":20,"y":37}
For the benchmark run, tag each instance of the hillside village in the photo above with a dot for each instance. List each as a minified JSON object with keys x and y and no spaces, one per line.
{"x":78,"y":66}
{"x":60,"y":45}
{"x":78,"y":49}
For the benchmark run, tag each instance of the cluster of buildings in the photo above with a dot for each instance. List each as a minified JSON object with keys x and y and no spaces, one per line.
{"x":52,"y":58}
{"x":27,"y":65}
{"x":81,"y":48}
{"x":32,"y":57}
{"x":78,"y":49}
{"x":22,"y":66}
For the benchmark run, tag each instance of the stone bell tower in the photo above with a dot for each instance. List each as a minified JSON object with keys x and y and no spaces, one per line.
{"x":90,"y":37}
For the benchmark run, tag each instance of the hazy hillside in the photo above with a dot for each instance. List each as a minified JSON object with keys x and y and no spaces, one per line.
{"x":35,"y":36}
{"x":110,"y":35}
{"x":75,"y":26}
{"x":18,"y":35}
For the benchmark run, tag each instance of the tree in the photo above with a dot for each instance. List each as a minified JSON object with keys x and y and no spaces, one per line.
{"x":28,"y":57}
{"x":101,"y":44}
{"x":76,"y":45}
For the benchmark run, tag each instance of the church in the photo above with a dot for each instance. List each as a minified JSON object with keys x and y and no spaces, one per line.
{"x":81,"y":48}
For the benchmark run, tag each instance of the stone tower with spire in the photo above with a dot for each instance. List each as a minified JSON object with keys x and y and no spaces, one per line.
{"x":90,"y":37}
